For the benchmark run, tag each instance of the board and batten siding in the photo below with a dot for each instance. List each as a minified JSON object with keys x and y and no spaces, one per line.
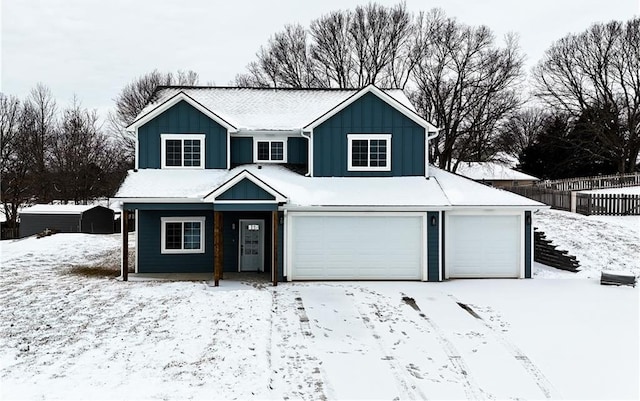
{"x":297,"y":150}
{"x":528,"y":244}
{"x":368,"y":115}
{"x":241,"y":150}
{"x":433,"y":247}
{"x":182,"y":118}
{"x":150,"y":257}
{"x":245,"y":190}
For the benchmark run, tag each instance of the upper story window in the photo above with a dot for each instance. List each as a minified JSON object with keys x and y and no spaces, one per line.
{"x":182,"y":151}
{"x":369,"y":152}
{"x":270,"y":151}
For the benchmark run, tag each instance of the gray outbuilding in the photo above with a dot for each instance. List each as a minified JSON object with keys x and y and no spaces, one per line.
{"x":91,"y":219}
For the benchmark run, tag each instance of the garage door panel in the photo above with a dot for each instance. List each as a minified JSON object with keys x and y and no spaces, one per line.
{"x":356,"y":247}
{"x":483,"y":246}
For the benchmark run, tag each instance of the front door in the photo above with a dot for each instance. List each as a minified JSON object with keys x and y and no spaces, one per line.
{"x":251,"y":245}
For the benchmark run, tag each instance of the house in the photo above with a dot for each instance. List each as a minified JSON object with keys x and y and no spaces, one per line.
{"x":91,"y":219}
{"x":496,"y":174}
{"x":310,"y":185}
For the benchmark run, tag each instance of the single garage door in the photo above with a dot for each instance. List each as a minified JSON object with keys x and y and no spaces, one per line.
{"x":337,"y":247}
{"x":482,"y":246}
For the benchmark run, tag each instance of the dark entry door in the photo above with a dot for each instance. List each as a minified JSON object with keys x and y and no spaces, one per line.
{"x":251,"y":245}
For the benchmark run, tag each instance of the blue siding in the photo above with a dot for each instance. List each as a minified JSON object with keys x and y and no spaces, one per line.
{"x":182,"y":118}
{"x":433,"y":246}
{"x":150,"y":258}
{"x":369,"y":114}
{"x":245,"y":190}
{"x":528,"y":244}
{"x":241,"y":151}
{"x":239,"y":207}
{"x":297,"y":150}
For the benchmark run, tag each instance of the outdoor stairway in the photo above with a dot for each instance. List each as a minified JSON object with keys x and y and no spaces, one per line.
{"x":546,"y":253}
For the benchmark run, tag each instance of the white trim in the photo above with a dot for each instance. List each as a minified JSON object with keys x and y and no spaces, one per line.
{"x":236,"y":179}
{"x":263,"y":254}
{"x":363,"y":209}
{"x":245,"y":201}
{"x":425,"y":247}
{"x":269,"y":141}
{"x":285,"y":247}
{"x":381,"y":94}
{"x":182,"y":137}
{"x":137,"y":241}
{"x":137,"y":150}
{"x":180,"y":219}
{"x":309,"y":152}
{"x":122,"y":233}
{"x":172,"y":102}
{"x":440,"y":242}
{"x":228,"y":150}
{"x":368,"y":138}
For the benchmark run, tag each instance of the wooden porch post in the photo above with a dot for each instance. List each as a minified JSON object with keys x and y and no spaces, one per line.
{"x":274,"y":253}
{"x":125,"y":244}
{"x":217,"y":247}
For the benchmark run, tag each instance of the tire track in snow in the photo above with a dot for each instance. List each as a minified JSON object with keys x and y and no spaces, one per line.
{"x":471,"y":388}
{"x":412,"y":391}
{"x":536,"y":374}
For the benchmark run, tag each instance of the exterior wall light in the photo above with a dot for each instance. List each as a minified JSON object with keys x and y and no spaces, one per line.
{"x":433,"y":220}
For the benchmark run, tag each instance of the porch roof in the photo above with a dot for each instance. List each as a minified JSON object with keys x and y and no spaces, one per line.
{"x":443,"y":189}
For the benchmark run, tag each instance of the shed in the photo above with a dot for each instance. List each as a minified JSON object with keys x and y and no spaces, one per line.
{"x":91,"y":219}
{"x":496,"y":174}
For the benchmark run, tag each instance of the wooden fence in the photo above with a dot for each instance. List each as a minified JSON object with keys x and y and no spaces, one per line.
{"x":608,"y":204}
{"x":596,"y":182}
{"x":556,"y":199}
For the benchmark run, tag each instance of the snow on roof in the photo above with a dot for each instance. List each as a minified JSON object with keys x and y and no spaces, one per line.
{"x":445,"y":190}
{"x":462,"y":191}
{"x":56,"y":209}
{"x":262,"y":108}
{"x":491,"y":171}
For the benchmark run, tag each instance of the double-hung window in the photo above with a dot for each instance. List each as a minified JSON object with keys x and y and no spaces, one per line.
{"x":182,"y":151}
{"x":182,"y":234}
{"x":270,"y":151}
{"x":369,"y":152}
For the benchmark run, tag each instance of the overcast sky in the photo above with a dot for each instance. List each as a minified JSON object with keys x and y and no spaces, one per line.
{"x":94,"y":47}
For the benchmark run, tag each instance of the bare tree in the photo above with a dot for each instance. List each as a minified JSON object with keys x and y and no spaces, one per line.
{"x":466,"y":85}
{"x":598,"y":68}
{"x":132,"y":99}
{"x":522,"y":129}
{"x":345,"y":49}
{"x":12,"y":163}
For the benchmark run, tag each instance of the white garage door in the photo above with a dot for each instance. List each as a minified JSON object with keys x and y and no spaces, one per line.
{"x":482,"y":246}
{"x":339,"y":247}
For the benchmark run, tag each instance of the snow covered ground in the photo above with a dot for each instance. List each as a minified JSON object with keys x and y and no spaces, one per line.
{"x":624,"y":190}
{"x":67,"y":335}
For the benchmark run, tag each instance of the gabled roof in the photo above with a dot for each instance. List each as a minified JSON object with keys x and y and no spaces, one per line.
{"x":403,"y":107}
{"x":267,"y":109}
{"x":245,"y":175}
{"x":491,"y":171}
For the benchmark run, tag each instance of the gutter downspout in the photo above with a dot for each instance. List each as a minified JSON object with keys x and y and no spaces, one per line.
{"x":426,"y":150}
{"x":310,"y":151}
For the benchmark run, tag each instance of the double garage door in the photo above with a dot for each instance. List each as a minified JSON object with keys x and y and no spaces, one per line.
{"x":393,"y":247}
{"x":347,"y":247}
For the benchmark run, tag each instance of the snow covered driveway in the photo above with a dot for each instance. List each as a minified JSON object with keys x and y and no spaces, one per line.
{"x":81,"y":337}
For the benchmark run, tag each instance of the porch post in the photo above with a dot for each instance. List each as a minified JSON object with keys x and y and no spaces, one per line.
{"x":274,"y":252}
{"x":125,"y":244}
{"x":217,"y":247}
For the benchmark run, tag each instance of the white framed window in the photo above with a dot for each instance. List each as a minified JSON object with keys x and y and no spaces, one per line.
{"x":270,"y":151}
{"x":182,"y":151}
{"x":182,"y":234}
{"x":369,"y":152}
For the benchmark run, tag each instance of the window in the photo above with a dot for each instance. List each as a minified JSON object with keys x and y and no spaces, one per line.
{"x":270,"y":151}
{"x":369,"y":152}
{"x":182,"y":151}
{"x":182,"y":234}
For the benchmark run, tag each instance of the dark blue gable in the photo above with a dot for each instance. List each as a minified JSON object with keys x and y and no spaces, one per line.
{"x":182,"y":118}
{"x":245,"y":190}
{"x":369,"y":114}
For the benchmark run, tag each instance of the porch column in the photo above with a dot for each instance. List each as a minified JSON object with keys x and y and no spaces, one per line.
{"x":274,"y":252}
{"x":125,"y":244}
{"x":217,"y":247}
